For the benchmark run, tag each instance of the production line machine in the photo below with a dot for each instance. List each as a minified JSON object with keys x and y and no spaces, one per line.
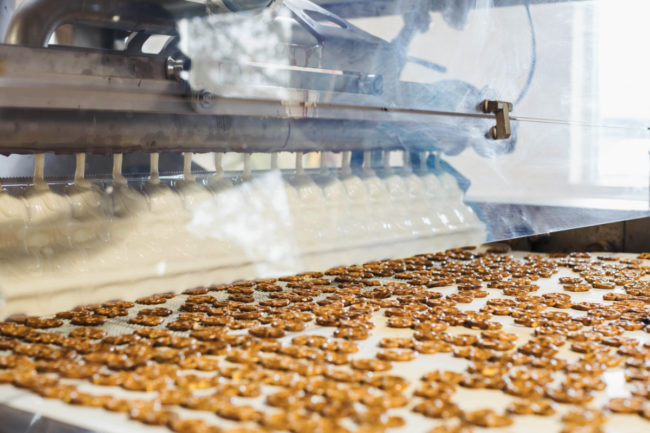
{"x":158,"y":146}
{"x":318,"y":84}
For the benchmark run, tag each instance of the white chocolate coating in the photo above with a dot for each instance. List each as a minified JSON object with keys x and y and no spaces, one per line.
{"x":89,"y":245}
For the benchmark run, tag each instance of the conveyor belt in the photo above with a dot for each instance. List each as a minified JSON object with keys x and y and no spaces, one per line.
{"x":537,"y":275}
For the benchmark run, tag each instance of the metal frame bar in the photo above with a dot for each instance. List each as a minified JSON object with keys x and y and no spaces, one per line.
{"x":25,"y":131}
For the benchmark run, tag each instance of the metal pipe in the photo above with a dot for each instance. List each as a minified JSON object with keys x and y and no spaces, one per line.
{"x":34,"y":21}
{"x":26,"y":131}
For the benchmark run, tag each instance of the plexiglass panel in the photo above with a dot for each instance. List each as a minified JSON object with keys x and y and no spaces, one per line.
{"x":572,"y":69}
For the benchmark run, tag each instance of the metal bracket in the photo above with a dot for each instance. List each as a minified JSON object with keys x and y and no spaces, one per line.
{"x":502,"y":110}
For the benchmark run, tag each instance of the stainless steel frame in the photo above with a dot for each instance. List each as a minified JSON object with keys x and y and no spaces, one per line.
{"x":77,"y":100}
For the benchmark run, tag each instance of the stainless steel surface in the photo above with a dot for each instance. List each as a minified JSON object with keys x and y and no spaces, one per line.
{"x":34,"y":21}
{"x":175,"y":68}
{"x":511,"y":221}
{"x":630,"y":236}
{"x":34,"y":131}
{"x":18,"y":421}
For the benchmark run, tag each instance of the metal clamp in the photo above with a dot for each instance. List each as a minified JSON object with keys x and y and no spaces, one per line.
{"x":502,"y":110}
{"x":176,"y":67}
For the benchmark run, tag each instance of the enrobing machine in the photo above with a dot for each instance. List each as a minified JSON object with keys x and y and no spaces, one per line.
{"x":408,"y":104}
{"x":437,"y":124}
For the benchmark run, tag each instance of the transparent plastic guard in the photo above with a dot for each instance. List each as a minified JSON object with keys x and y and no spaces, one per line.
{"x":574,"y":71}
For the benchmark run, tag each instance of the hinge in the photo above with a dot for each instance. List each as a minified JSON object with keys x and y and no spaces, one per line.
{"x":502,"y":110}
